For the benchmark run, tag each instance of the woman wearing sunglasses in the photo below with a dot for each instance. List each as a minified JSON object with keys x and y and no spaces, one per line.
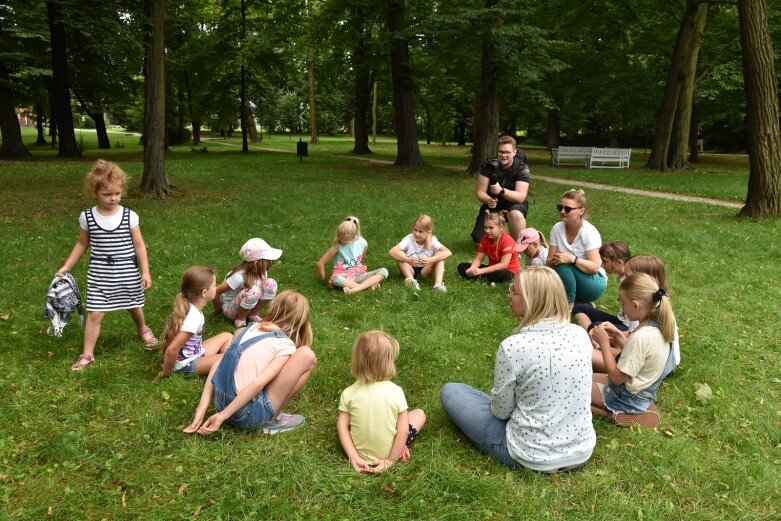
{"x":574,"y":250}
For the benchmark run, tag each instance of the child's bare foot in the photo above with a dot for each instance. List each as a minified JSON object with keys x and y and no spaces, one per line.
{"x":347,"y":290}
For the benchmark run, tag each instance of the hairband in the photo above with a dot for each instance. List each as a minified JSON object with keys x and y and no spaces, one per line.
{"x":658,"y":294}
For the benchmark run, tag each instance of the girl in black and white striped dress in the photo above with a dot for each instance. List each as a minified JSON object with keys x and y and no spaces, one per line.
{"x":118,"y":271}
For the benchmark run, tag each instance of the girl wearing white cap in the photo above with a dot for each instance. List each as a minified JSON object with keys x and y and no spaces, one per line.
{"x":247,"y":288}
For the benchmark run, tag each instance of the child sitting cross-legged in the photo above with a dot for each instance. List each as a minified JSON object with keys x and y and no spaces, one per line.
{"x":375,"y":426}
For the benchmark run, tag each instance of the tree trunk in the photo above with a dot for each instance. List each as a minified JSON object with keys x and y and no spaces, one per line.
{"x":61,"y":85}
{"x":407,"y":148}
{"x":374,"y":113}
{"x":314,"y":136}
{"x":243,"y":83}
{"x":249,"y":123}
{"x":154,"y":180}
{"x":461,"y":133}
{"x":363,"y":84}
{"x":486,"y":115}
{"x":39,"y":117}
{"x":764,"y":133}
{"x":669,"y":148}
{"x":554,"y":128}
{"x":179,"y":115}
{"x":13,"y":145}
{"x":47,"y":81}
{"x":100,"y":129}
{"x":694,"y":125}
{"x":194,"y":121}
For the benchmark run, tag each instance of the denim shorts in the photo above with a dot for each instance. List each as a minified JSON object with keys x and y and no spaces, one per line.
{"x":189,"y":369}
{"x":251,"y":416}
{"x":618,"y":399}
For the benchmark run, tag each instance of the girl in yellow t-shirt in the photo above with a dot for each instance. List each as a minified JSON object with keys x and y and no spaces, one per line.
{"x":374,"y":425}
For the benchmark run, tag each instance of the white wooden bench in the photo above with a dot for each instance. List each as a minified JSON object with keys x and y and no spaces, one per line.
{"x":609,"y":158}
{"x":571,"y":155}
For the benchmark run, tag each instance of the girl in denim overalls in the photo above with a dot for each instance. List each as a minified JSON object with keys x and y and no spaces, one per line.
{"x":631,"y":383}
{"x":266,"y":364}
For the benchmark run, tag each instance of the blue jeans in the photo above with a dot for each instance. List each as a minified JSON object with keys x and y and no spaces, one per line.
{"x":470,"y":411}
{"x":259,"y":410}
{"x":581,"y":287}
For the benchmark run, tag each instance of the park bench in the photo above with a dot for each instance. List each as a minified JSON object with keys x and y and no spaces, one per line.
{"x":571,"y":155}
{"x":609,"y":158}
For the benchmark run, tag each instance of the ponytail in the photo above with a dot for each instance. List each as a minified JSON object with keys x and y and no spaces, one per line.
{"x":174,"y":323}
{"x":643,"y":288}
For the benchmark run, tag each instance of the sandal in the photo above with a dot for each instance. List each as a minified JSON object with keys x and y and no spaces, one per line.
{"x":648,"y":419}
{"x":81,"y":363}
{"x":149,"y":338}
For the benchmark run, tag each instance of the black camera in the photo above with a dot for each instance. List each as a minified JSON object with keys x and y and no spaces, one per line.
{"x":492,"y":167}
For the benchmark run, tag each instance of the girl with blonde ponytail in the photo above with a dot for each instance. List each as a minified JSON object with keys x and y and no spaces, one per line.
{"x":630,"y":384}
{"x":184,"y":348}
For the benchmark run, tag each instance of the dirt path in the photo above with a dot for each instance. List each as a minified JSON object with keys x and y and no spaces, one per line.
{"x":558,"y":181}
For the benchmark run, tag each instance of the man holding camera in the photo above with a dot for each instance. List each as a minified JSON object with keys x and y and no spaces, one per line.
{"x":502,"y":184}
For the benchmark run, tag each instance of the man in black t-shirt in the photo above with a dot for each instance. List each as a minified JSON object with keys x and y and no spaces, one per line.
{"x":508,"y":193}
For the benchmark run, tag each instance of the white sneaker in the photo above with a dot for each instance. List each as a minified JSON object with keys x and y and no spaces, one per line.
{"x":440,"y":288}
{"x":412,"y":284}
{"x":282,"y":423}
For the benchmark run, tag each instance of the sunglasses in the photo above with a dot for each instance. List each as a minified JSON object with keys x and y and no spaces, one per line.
{"x":567,"y":209}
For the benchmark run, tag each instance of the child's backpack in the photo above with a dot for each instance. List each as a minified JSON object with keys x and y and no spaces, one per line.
{"x":62,"y":299}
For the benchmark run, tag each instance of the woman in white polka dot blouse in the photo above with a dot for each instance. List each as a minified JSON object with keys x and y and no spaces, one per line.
{"x":538,"y":415}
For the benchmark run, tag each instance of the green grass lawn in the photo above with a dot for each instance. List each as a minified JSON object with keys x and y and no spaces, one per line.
{"x":107,"y":444}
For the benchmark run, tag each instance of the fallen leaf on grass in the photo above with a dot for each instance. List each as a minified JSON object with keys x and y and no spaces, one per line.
{"x":182,"y":489}
{"x":197,"y":511}
{"x":124,"y":499}
{"x":49,"y":512}
{"x":669,"y":433}
{"x":5,"y":316}
{"x":704,"y":393}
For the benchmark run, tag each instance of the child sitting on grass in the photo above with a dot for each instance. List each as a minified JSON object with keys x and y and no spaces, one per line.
{"x":419,"y":254}
{"x":184,"y":349}
{"x":374,"y":425}
{"x":630,"y":385}
{"x":349,"y":272}
{"x":247,"y":288}
{"x":499,"y":247}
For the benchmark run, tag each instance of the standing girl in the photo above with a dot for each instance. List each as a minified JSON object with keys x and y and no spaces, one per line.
{"x":420,"y":253}
{"x":184,"y":348}
{"x":533,"y":245}
{"x":630,"y":384}
{"x":349,"y":271}
{"x":375,"y":428}
{"x":247,"y":288}
{"x":574,"y":250}
{"x":118,"y":270}
{"x":499,"y":247}
{"x":266,"y":364}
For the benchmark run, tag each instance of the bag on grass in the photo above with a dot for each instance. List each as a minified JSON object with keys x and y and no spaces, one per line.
{"x":62,"y":299}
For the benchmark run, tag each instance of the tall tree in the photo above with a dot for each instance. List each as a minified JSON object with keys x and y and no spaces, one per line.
{"x":486,"y":115}
{"x":407,"y":148}
{"x":672,"y":128}
{"x":61,"y":83}
{"x":764,"y":134}
{"x":154,"y":180}
{"x":362,"y":80}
